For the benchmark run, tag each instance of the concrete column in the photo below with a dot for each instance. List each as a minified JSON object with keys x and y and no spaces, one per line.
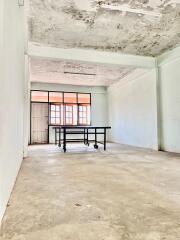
{"x":158,"y":106}
{"x":26,"y":105}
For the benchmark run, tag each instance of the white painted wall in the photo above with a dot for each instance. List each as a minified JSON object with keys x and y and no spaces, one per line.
{"x":11,"y":96}
{"x":170,"y":104}
{"x":132,"y":110}
{"x":99,"y":111}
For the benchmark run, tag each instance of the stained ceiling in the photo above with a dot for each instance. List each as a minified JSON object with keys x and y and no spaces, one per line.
{"x":142,"y":27}
{"x":74,"y":73}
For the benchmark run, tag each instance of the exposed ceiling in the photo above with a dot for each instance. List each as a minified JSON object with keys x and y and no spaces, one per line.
{"x":142,"y":27}
{"x":76,"y":73}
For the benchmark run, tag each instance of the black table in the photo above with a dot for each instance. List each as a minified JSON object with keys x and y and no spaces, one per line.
{"x":61,"y":133}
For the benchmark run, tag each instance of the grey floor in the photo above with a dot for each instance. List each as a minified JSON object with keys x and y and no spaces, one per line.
{"x":124,"y":193}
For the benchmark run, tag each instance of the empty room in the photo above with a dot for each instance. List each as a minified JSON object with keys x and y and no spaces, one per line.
{"x":90,"y":119}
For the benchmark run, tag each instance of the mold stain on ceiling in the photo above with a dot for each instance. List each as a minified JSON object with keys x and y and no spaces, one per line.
{"x":88,"y":24}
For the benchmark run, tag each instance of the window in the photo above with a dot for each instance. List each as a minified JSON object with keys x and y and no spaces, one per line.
{"x":39,"y":96}
{"x":70,"y":97}
{"x":71,"y":114}
{"x":55,"y":97}
{"x":84,"y":98}
{"x":65,"y":108}
{"x":56,"y":113}
{"x":84,"y":114}
{"x":84,"y":101}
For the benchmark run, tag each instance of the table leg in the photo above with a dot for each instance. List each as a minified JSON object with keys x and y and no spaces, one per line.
{"x":84,"y":136}
{"x":64,"y":139}
{"x":87,"y":136}
{"x":55,"y":136}
{"x":59,"y":137}
{"x":95,"y":136}
{"x":95,"y":144}
{"x":104,"y":139}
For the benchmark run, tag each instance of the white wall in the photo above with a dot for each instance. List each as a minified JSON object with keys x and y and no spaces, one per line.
{"x":169,"y":74}
{"x":11,"y":96}
{"x":99,"y":112}
{"x":132,"y":110}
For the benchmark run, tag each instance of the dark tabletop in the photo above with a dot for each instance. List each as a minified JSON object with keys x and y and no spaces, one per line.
{"x":80,"y":127}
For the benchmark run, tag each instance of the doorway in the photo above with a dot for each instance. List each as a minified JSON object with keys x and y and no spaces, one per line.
{"x":39,"y":123}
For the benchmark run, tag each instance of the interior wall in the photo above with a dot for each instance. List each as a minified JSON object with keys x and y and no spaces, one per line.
{"x":132,"y":110}
{"x":99,"y":113}
{"x":11,"y":96}
{"x":169,"y":74}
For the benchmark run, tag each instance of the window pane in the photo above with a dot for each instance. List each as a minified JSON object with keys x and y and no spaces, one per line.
{"x":57,"y":120}
{"x":62,"y":115}
{"x":67,"y":121}
{"x":84,"y":115}
{"x":53,"y":107}
{"x":53,"y":114}
{"x":38,"y":96}
{"x":55,"y":97}
{"x":89,"y":114}
{"x":71,"y":114}
{"x":67,"y":108}
{"x":83,"y":98}
{"x":58,"y":114}
{"x":57,"y":108}
{"x":52,"y":120}
{"x":70,"y":98}
{"x":75,"y":114}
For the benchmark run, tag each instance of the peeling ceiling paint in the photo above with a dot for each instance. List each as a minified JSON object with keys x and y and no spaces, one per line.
{"x":54,"y":72}
{"x":85,"y":24}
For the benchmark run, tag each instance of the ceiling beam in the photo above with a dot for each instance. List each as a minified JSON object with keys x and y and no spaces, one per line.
{"x":90,"y":56}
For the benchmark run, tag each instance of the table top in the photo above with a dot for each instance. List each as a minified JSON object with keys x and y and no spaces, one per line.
{"x":80,"y":127}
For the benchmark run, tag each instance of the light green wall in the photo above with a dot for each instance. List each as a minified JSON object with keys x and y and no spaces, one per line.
{"x":132,"y":111}
{"x":169,"y":74}
{"x":11,"y":96}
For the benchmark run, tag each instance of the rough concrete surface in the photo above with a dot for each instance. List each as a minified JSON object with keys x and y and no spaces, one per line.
{"x":124,"y":193}
{"x":56,"y":72}
{"x":86,"y":24}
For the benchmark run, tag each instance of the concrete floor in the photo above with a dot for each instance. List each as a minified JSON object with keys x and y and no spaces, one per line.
{"x":124,"y":193}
